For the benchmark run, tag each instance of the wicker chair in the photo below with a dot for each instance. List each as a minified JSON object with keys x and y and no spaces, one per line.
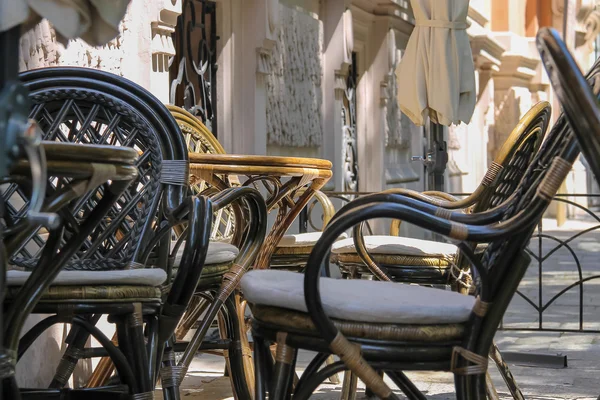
{"x":36,"y":254}
{"x":293,"y":249}
{"x":577,"y":100}
{"x":396,"y":327}
{"x":401,"y":259}
{"x":226,"y":234}
{"x":88,"y":106}
{"x":421,"y":261}
{"x":182,"y":279}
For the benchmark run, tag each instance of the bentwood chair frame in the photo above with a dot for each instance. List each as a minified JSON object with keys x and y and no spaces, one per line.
{"x":160,"y":152}
{"x":495,"y":189}
{"x":201,"y":141}
{"x":577,"y":100}
{"x":59,"y":94}
{"x":500,"y":270}
{"x":499,"y":183}
{"x":75,"y":164}
{"x":172,"y":212}
{"x":231,"y":318}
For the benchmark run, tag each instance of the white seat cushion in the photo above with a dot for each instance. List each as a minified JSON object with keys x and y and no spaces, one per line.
{"x":360,"y":300}
{"x":304,"y":239}
{"x":129,"y":277}
{"x":218,"y":253}
{"x":397,"y":245}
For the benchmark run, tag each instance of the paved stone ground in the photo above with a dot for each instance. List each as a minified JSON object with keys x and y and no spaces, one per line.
{"x":580,"y":380}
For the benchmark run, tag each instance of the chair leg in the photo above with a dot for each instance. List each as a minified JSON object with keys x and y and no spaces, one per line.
{"x":349,"y":386}
{"x":170,"y":375}
{"x":490,"y":388}
{"x":459,"y":387}
{"x":195,"y":309}
{"x":508,"y":377}
{"x":239,"y":356}
{"x":333,"y":379}
{"x":368,"y":392}
{"x":130,"y":331}
{"x":76,"y":340}
{"x":103,"y":370}
{"x":284,"y":369}
{"x":406,"y":385}
{"x":260,"y":368}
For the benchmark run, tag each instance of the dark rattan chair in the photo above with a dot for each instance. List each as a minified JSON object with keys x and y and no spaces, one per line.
{"x":75,"y":172}
{"x":577,"y":100}
{"x":89,"y":106}
{"x":86,"y":106}
{"x":169,"y":156}
{"x":400,"y":259}
{"x":292,"y":252}
{"x":395,"y":327}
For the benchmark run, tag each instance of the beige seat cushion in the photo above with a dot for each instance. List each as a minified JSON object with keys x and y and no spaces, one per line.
{"x":128,"y":277}
{"x":304,"y":239}
{"x":397,"y":245}
{"x":218,"y":253}
{"x":360,"y":300}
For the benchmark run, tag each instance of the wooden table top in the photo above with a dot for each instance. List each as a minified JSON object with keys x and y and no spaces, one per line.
{"x":264,"y":161}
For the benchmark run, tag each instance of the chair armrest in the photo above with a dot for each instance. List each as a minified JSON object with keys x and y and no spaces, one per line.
{"x":436,"y":198}
{"x":198,"y":210}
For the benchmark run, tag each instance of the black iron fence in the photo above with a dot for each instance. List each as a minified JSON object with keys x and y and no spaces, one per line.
{"x":562,"y":285}
{"x":561,"y":289}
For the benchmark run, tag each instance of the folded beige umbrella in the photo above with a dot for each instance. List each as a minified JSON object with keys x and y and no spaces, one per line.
{"x":436,"y":74}
{"x":95,"y":21}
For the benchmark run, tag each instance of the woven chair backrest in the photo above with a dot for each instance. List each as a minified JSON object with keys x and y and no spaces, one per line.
{"x":200,"y":140}
{"x":90,"y":109}
{"x":517,"y":160}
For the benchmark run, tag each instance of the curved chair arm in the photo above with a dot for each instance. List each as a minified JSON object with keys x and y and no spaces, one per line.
{"x":324,"y":201}
{"x":361,"y":249}
{"x":440,"y":199}
{"x":199,"y":212}
{"x":436,"y":198}
{"x":253,"y":240}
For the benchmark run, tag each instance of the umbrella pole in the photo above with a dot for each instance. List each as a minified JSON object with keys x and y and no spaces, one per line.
{"x":438,"y":160}
{"x":439,"y":157}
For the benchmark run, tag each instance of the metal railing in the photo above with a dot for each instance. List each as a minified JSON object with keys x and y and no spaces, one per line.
{"x":558,"y":288}
{"x":565,"y":275}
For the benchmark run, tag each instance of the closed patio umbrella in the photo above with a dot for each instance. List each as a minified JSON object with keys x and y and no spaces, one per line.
{"x":95,"y":21}
{"x":436,"y":74}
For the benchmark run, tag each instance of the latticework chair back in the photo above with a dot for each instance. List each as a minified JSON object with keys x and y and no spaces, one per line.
{"x":517,"y":153}
{"x":199,"y":139}
{"x":87,"y":106}
{"x":504,"y":173}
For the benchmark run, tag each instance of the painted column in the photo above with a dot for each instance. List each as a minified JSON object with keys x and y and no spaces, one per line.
{"x":338,"y":45}
{"x":247,"y":35}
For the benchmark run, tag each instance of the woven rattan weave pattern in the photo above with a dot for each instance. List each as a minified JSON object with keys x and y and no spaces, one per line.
{"x":87,"y":116}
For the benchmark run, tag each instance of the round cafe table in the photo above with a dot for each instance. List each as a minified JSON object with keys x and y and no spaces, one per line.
{"x":281,"y":176}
